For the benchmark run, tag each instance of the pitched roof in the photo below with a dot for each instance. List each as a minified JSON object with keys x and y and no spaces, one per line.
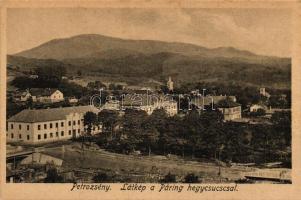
{"x":51,"y":114}
{"x":42,"y":91}
{"x":227,"y":103}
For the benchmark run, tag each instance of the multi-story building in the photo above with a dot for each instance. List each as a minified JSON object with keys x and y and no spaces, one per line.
{"x":48,"y":125}
{"x":225,"y":104}
{"x":149,"y":103}
{"x":170,"y":107}
{"x":210,"y":100}
{"x":231,"y":110}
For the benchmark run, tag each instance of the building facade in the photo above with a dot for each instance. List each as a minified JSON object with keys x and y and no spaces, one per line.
{"x":48,"y":125}
{"x":44,"y":95}
{"x":149,"y":103}
{"x":227,"y":105}
{"x":231,"y":113}
{"x":256,"y":107}
{"x":264,"y":93}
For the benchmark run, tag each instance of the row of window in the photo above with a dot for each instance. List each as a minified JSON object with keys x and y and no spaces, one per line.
{"x":20,"y":126}
{"x":20,"y":136}
{"x":57,"y":134}
{"x":57,"y":125}
{"x":50,"y":125}
{"x":51,"y":135}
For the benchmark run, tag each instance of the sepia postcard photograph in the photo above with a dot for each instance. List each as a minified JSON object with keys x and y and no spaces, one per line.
{"x":174,"y":97}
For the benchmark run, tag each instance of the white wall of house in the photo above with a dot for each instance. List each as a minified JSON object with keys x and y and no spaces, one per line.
{"x":231,"y":113}
{"x":25,"y":97}
{"x":20,"y":132}
{"x":255,"y":107}
{"x":49,"y":131}
{"x":57,"y":96}
{"x":171,"y":108}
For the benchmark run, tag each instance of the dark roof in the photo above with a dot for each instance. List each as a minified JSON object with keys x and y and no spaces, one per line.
{"x":227,"y":103}
{"x":42,"y":91}
{"x":51,"y":114}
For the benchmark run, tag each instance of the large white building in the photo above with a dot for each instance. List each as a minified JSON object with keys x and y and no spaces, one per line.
{"x":225,"y":104}
{"x":230,"y":111}
{"x":149,"y":103}
{"x":48,"y":125}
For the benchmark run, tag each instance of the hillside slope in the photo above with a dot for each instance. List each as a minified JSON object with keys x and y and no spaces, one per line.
{"x":99,"y":54}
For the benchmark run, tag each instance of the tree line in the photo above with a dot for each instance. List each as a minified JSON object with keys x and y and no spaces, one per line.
{"x":196,"y":135}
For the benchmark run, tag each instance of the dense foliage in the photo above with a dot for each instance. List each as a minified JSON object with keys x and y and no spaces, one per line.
{"x":197,"y":135}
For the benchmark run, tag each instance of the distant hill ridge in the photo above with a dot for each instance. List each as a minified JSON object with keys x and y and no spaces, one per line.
{"x":98,"y":54}
{"x":88,"y":44}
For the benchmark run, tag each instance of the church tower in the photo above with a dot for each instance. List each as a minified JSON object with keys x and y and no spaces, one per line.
{"x":170,"y":84}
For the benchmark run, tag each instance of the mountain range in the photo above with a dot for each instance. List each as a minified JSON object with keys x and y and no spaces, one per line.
{"x":98,"y":54}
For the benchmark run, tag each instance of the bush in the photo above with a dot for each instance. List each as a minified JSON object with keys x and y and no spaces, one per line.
{"x":169,"y":178}
{"x":53,"y":177}
{"x":101,"y":178}
{"x":191,"y":178}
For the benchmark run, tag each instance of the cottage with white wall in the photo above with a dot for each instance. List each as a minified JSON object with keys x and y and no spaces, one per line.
{"x":256,"y":107}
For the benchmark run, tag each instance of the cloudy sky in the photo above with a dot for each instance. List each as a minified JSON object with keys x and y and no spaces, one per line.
{"x":262,"y":31}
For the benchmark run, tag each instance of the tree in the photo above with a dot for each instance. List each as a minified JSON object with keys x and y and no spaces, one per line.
{"x":50,"y":75}
{"x":53,"y":177}
{"x":158,"y":119}
{"x":260,"y":112}
{"x":193,"y":130}
{"x":101,"y":178}
{"x":150,"y":137}
{"x":211,"y":117}
{"x":191,"y":178}
{"x":29,"y":102}
{"x":112,"y":86}
{"x":170,"y":133}
{"x":132,"y":131}
{"x":79,"y":73}
{"x":96,"y":85}
{"x":72,"y":89}
{"x":169,"y":178}
{"x":109,"y":120}
{"x":24,"y":82}
{"x":282,"y":125}
{"x":212,"y":141}
{"x":90,"y":120}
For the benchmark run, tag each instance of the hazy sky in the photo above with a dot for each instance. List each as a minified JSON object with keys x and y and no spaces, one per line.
{"x":262,"y":31}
